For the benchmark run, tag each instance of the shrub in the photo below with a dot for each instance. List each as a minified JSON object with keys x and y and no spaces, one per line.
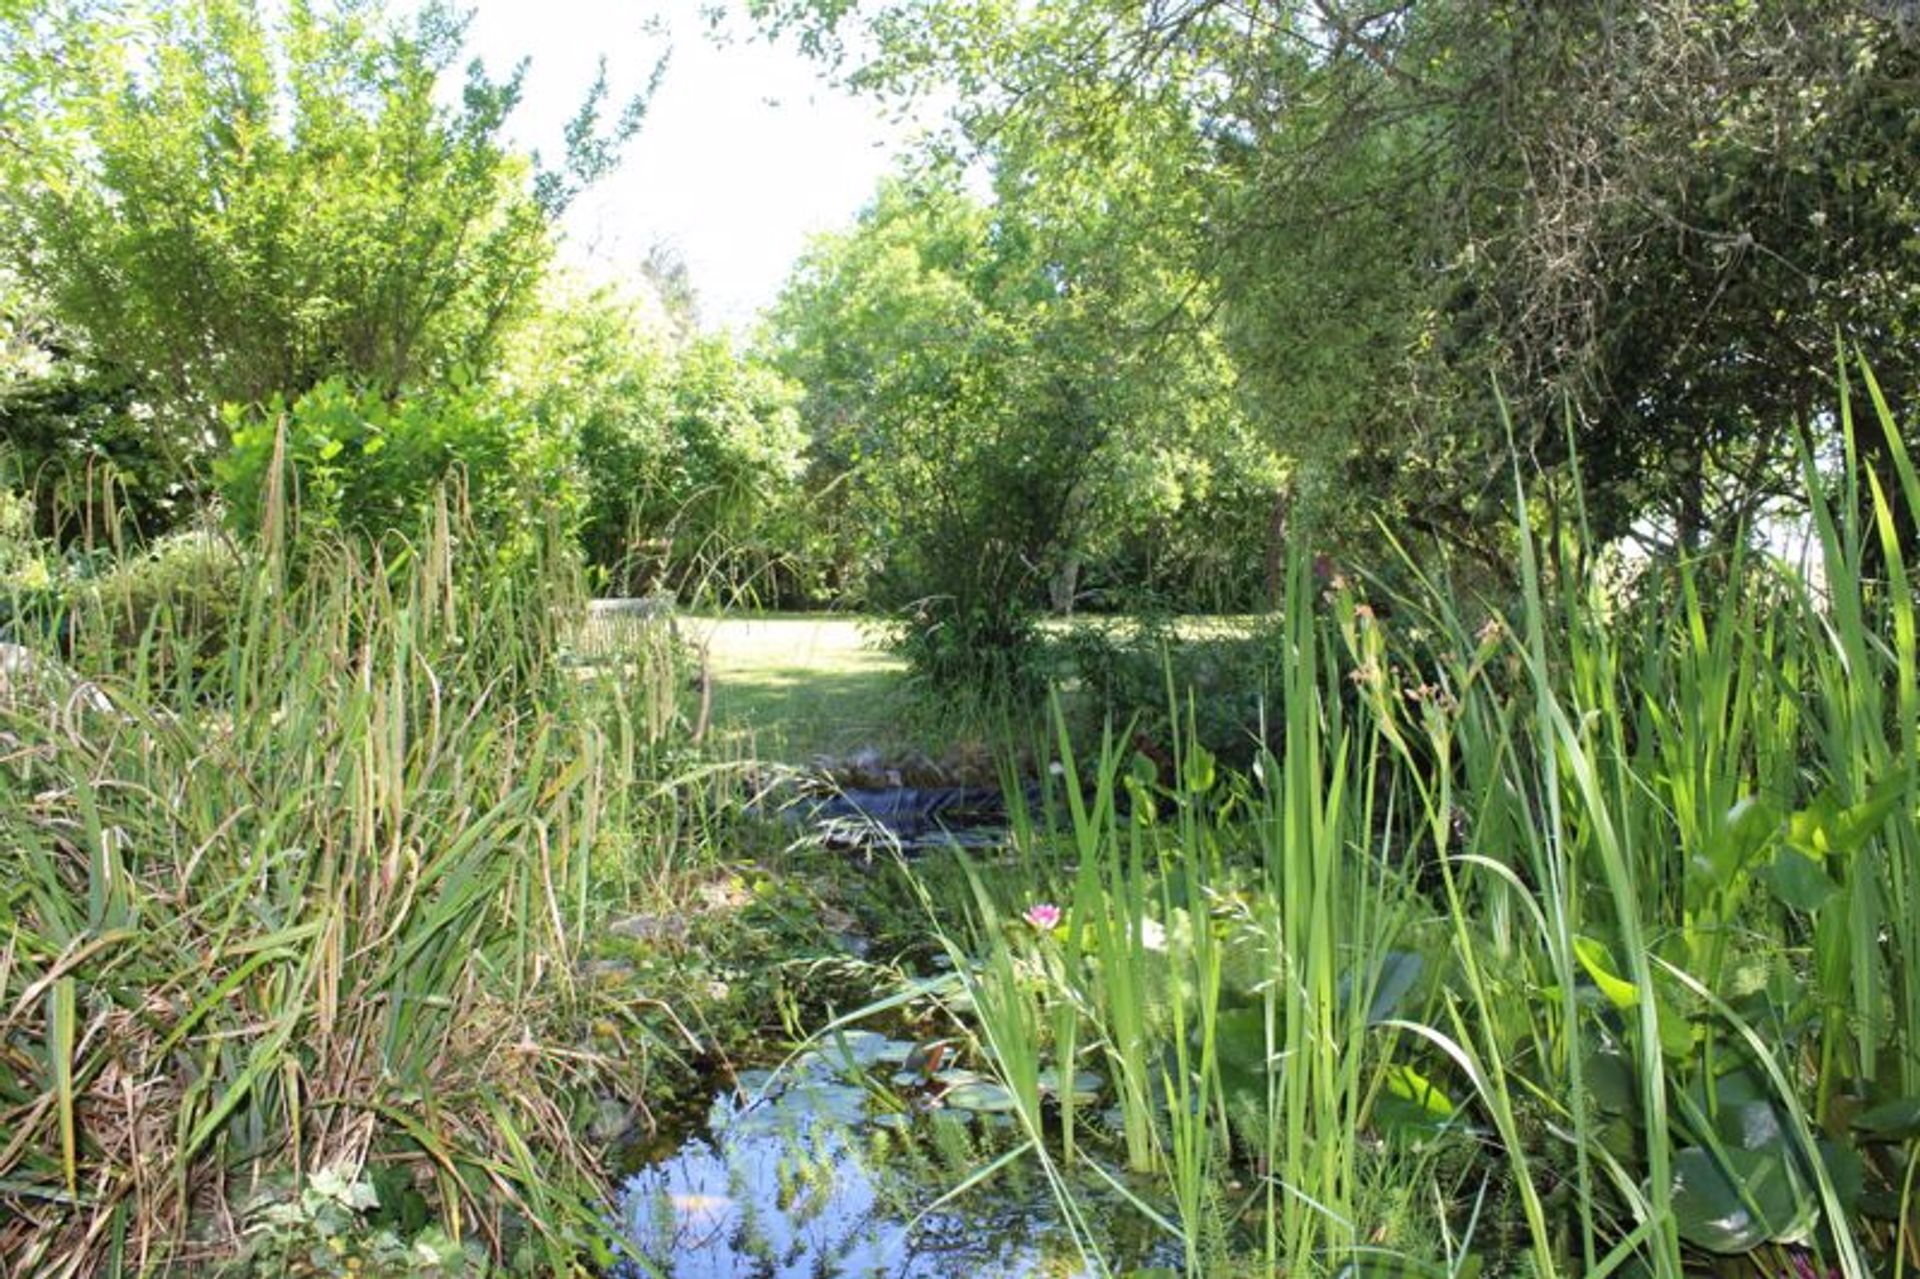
{"x":181,"y":597}
{"x":1229,"y":682}
{"x":951,"y":647}
{"x":365,"y":465}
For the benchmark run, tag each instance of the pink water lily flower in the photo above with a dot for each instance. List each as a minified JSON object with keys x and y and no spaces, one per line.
{"x":1044,"y":916}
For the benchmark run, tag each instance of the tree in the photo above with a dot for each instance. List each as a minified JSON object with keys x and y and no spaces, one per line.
{"x":231,"y":200}
{"x":687,"y":452}
{"x":1006,"y":393}
{"x":1654,"y":215}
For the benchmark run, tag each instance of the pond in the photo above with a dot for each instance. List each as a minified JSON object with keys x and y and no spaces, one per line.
{"x":839,"y":1166}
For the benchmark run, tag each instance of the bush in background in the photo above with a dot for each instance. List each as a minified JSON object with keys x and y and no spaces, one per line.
{"x":361,"y":463}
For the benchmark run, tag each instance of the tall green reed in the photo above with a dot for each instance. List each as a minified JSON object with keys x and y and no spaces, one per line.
{"x":1651,"y":861}
{"x":311,"y":896}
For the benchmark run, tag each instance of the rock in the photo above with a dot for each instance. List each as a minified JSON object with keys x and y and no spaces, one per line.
{"x":918,"y":770}
{"x":606,"y":972}
{"x":655,"y":929}
{"x":611,"y":1121}
{"x":866,"y":770}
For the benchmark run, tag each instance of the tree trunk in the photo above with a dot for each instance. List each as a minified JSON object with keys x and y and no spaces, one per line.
{"x":1064,"y":585}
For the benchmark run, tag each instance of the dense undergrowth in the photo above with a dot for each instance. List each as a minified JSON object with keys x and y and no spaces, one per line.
{"x":1571,"y":937}
{"x":300,"y":884}
{"x":1580,"y":939}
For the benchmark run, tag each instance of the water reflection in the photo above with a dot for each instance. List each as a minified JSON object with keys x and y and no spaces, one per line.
{"x":805,"y":1184}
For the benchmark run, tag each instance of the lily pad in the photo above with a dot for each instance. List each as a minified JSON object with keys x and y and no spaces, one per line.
{"x":850,"y":1051}
{"x":1086,"y":1085}
{"x":1610,"y":1078}
{"x":1736,"y":1200}
{"x":806,"y":1103}
{"x":1896,"y":1120}
{"x":1799,"y":881}
{"x":984,"y":1097}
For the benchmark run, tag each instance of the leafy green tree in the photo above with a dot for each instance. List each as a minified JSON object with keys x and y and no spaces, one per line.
{"x":358,"y":461}
{"x":231,"y":200}
{"x":686,"y":451}
{"x":75,"y":436}
{"x":1005,"y":394}
{"x":1649,"y":216}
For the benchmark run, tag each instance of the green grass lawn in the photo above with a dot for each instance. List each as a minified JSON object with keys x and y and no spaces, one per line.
{"x":797,"y":687}
{"x":793,"y":688}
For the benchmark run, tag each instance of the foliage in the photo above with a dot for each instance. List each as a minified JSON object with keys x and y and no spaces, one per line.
{"x":232,"y":201}
{"x":1227,"y":679}
{"x":687,"y":451}
{"x":356,"y":462}
{"x":74,"y":437}
{"x":997,"y":407}
{"x":326,"y":1231}
{"x":1648,"y":219}
{"x":952,"y":647}
{"x":1608,"y":901}
{"x":317,"y":904}
{"x":184,"y":592}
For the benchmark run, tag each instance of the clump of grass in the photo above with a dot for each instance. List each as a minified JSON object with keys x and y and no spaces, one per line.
{"x":312,"y":898}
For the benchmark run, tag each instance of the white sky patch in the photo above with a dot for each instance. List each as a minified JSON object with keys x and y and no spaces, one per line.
{"x":745,"y":153}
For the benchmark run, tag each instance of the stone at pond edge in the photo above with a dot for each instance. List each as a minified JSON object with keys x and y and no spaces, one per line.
{"x":650,"y":928}
{"x":611,"y":1121}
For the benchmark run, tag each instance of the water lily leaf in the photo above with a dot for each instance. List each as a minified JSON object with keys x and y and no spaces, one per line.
{"x":1610,"y":1081}
{"x":1896,"y":1120}
{"x":1799,"y":881}
{"x":1595,"y":958}
{"x":1752,"y":1125}
{"x":983,"y":1097}
{"x":1846,"y":1170}
{"x":1086,"y":1084}
{"x":1729,"y":1088}
{"x":1737,"y":1200}
{"x":1621,"y":1138}
{"x":753,"y":1082}
{"x":855,"y":1050}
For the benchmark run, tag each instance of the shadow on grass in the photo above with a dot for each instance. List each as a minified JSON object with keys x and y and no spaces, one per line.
{"x":796,"y":713}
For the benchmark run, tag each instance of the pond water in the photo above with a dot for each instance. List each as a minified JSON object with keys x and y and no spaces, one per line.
{"x":831,"y":1169}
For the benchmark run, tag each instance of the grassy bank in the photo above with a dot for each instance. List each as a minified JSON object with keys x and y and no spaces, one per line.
{"x":295,"y":895}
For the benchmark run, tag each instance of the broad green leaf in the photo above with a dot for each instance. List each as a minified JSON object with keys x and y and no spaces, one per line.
{"x":1896,"y":1120}
{"x":1737,"y":1200}
{"x":1799,"y":881}
{"x":1408,"y":1084}
{"x":1595,"y":958}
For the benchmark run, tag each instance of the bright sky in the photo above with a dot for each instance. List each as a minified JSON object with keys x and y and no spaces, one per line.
{"x":747,"y":150}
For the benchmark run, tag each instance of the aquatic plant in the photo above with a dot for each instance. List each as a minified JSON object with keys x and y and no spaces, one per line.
{"x":1608,"y":904}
